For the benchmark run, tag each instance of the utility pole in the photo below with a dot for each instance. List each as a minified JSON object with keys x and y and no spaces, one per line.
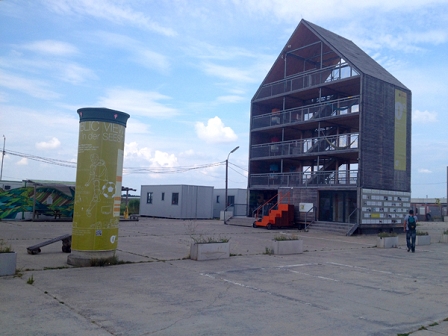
{"x":3,"y":157}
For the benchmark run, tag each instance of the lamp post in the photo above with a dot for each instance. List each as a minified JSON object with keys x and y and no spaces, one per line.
{"x":227,"y":174}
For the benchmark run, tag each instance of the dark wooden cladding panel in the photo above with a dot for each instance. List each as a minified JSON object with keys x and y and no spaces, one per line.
{"x":378,"y":136}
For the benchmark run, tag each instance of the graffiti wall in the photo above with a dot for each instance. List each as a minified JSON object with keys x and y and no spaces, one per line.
{"x":17,"y":203}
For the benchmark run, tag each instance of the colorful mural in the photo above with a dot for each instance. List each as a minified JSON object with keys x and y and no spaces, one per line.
{"x":49,"y":201}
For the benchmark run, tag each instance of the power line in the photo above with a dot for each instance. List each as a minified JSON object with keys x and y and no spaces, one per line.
{"x":127,"y":170}
{"x":238,"y":172}
{"x":244,"y":169}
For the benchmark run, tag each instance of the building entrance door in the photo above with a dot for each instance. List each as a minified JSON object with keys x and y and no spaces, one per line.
{"x":337,"y":206}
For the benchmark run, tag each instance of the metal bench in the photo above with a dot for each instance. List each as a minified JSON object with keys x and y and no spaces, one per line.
{"x":55,"y":213}
{"x":66,"y":244}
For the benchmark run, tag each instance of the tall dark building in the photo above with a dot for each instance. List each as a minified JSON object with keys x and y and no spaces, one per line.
{"x":332,"y":128}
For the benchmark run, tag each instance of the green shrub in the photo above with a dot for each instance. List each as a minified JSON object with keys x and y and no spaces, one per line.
{"x":422,"y":233}
{"x":387,"y":234}
{"x":209,"y":239}
{"x":5,"y":248}
{"x":134,"y":206}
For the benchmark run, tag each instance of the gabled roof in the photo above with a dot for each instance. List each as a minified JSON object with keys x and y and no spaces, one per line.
{"x":307,"y":34}
{"x":353,"y":54}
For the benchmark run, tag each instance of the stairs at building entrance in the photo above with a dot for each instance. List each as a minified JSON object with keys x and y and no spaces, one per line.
{"x":334,"y":227}
{"x":283,"y":216}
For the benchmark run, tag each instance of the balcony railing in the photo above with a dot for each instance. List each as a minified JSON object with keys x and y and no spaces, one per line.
{"x":304,"y":80}
{"x":305,"y":113}
{"x":334,"y":177}
{"x":306,"y":146}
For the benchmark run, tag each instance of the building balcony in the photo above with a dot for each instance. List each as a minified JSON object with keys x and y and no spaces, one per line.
{"x":306,"y":80}
{"x":300,"y":180}
{"x":302,"y":114}
{"x":335,"y":143}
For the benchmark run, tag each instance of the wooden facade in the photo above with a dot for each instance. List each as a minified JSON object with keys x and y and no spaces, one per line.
{"x":333,"y":127}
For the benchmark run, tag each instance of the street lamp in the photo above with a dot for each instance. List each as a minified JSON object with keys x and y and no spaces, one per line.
{"x":227,"y":174}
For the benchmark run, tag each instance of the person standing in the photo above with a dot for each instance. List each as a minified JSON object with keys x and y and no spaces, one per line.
{"x":410,"y":227}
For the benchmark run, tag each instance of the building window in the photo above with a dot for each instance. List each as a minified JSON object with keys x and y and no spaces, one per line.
{"x":230,"y":200}
{"x":149,"y":198}
{"x":175,"y":198}
{"x":217,"y":199}
{"x":163,"y":196}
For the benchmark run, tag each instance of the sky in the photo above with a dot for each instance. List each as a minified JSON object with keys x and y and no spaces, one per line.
{"x":186,"y":71}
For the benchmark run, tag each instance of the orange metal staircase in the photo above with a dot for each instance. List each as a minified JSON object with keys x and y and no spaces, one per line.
{"x":283,"y":216}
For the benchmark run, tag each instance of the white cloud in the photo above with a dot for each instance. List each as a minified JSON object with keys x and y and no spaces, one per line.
{"x":111,"y":11}
{"x":63,"y":70}
{"x":215,"y":131}
{"x":139,"y":156}
{"x":326,"y":9}
{"x":51,"y":144}
{"x":141,"y":103}
{"x":162,"y":159}
{"x":424,"y":117}
{"x":51,"y":47}
{"x":424,"y":171}
{"x":204,"y":50}
{"x":159,"y":159}
{"x":34,"y":88}
{"x":136,"y":127}
{"x":74,"y":73}
{"x":132,"y":151}
{"x":22,"y":162}
{"x":139,"y":52}
{"x":151,"y":60}
{"x":230,"y":99}
{"x":232,"y":73}
{"x":3,"y":97}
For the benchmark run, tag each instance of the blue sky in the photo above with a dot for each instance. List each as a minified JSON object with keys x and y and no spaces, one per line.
{"x":186,"y":70}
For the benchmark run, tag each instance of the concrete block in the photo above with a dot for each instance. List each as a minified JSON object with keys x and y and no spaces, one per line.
{"x":287,"y":246}
{"x":209,"y":251}
{"x":387,"y":242}
{"x":423,"y":240}
{"x":8,"y":263}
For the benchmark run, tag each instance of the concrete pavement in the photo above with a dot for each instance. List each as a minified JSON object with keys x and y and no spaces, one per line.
{"x":338,"y":286}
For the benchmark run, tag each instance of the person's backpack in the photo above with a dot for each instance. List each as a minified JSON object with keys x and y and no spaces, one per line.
{"x":412,"y":224}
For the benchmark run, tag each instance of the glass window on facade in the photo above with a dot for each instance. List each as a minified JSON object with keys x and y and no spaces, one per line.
{"x":149,"y":198}
{"x":230,"y":200}
{"x":163,"y":196}
{"x":175,"y":198}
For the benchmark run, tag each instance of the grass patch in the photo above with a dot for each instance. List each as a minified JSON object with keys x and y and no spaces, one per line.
{"x":30,"y":280}
{"x":209,"y":239}
{"x":4,"y":248}
{"x":433,"y":324}
{"x":421,"y":233}
{"x":101,"y":262}
{"x":286,"y":237}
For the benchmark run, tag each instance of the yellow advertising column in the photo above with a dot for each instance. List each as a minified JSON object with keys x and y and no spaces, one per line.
{"x":98,"y":185}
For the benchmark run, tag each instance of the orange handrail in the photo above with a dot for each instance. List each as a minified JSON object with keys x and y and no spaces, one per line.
{"x":257,"y":210}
